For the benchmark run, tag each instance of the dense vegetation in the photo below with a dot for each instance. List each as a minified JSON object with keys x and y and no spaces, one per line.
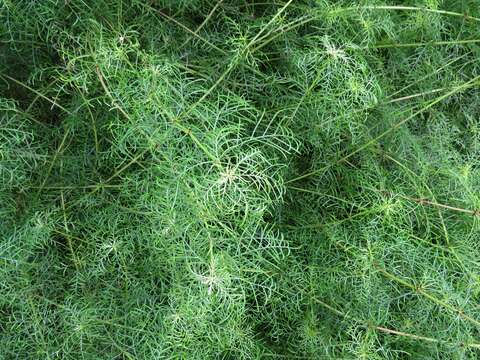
{"x":239,"y":179}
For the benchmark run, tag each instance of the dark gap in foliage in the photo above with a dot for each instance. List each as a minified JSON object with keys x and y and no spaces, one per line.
{"x":21,"y":202}
{"x":7,"y":312}
{"x":304,"y":160}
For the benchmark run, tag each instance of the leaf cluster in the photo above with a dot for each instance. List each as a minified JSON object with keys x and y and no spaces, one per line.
{"x":239,"y":179}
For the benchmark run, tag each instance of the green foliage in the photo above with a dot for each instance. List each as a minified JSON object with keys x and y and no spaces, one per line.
{"x":239,"y":179}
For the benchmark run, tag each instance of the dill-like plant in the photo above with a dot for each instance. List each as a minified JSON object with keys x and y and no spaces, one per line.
{"x":233,"y":179}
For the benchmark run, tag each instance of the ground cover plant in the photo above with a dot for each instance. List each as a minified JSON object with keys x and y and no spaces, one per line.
{"x":239,"y":179}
